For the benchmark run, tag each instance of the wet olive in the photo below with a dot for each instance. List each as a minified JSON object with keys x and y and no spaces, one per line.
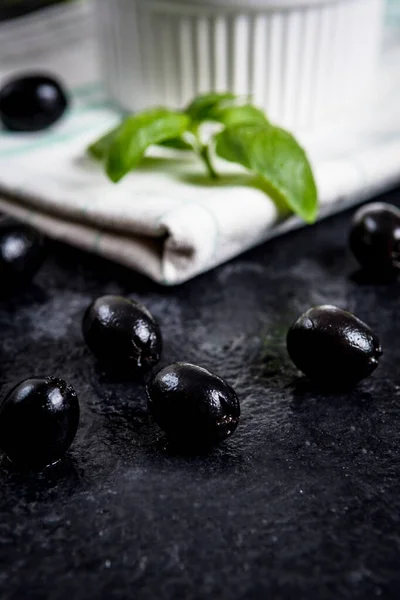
{"x":375,"y":238}
{"x":333,"y":347}
{"x":31,"y":103}
{"x":122,"y":334}
{"x":22,"y":253}
{"x":192,"y":405}
{"x":38,"y":421}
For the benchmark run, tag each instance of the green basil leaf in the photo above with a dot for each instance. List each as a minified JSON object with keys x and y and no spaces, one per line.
{"x":274,"y":154}
{"x":137,"y":133}
{"x":203,"y":108}
{"x":176,"y":144}
{"x":99,"y":149}
{"x":240,"y":115}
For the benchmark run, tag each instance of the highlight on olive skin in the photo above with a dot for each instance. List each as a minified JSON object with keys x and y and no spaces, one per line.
{"x":333,"y":347}
{"x":38,"y":422}
{"x":375,"y":239}
{"x":22,"y":253}
{"x":123,"y":335}
{"x":193,"y":406}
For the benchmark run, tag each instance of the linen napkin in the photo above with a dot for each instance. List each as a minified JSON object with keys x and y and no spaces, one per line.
{"x":166,"y":219}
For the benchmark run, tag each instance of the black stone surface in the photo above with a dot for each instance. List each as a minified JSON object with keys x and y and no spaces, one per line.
{"x":302,"y":502}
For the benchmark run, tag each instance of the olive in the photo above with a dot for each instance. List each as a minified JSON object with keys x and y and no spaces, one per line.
{"x":192,"y":405}
{"x":22,"y":253}
{"x":333,"y":347}
{"x":38,"y":421}
{"x":31,"y":103}
{"x":122,"y":335}
{"x":375,"y":238}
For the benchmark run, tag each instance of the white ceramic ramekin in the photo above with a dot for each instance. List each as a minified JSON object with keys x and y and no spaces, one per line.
{"x":300,"y":60}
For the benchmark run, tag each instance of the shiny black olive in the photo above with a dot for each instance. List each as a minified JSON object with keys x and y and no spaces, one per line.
{"x":123,"y":335}
{"x":333,"y":347}
{"x":38,"y":421}
{"x":22,"y":253}
{"x":192,"y":405}
{"x":375,"y":238}
{"x":31,"y":103}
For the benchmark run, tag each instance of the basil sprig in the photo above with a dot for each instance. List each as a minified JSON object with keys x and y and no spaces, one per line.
{"x":244,"y":136}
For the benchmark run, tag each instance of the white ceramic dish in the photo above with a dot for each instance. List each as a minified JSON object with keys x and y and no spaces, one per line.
{"x":301,"y":60}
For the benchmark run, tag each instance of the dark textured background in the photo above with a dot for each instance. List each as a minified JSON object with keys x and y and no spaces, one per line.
{"x":10,"y":9}
{"x":303,"y":502}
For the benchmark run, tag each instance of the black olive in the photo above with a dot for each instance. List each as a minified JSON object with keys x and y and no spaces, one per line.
{"x":333,"y":347}
{"x":123,"y":335}
{"x":192,"y":405}
{"x":22,"y":253}
{"x":375,"y":238}
{"x":31,"y":103}
{"x":38,"y":421}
